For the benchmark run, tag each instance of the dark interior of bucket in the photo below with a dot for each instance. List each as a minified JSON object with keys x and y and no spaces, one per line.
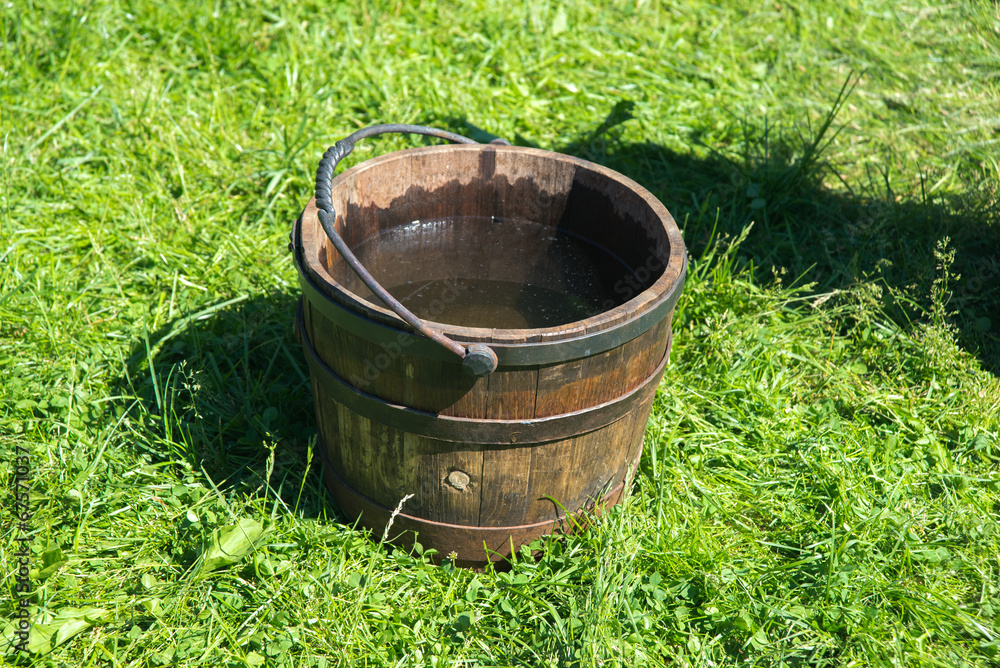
{"x":541,"y":246}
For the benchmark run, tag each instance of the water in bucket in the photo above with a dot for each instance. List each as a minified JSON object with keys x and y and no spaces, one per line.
{"x":493,"y":272}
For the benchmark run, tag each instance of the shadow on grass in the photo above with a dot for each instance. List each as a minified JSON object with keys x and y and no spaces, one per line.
{"x":228,"y":392}
{"x":803,"y":231}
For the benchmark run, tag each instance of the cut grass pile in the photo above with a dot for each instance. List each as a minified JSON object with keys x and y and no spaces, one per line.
{"x":821,"y":477}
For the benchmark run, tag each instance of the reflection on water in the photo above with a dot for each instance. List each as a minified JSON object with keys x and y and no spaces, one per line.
{"x":491,"y":272}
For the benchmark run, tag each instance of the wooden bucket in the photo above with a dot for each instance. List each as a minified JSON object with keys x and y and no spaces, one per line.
{"x":495,"y":461}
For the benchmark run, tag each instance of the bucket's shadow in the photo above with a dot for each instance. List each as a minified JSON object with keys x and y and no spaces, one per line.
{"x":226,"y":393}
{"x":807,"y":232}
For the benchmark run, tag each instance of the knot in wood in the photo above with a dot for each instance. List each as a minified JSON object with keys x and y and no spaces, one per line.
{"x":459,"y":480}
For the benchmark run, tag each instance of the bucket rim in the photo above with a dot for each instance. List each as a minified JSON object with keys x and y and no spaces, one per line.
{"x":667,"y":286}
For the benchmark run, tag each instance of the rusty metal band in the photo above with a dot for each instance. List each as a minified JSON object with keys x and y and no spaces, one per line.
{"x":520,"y":354}
{"x":472,"y":545}
{"x":474,"y":430}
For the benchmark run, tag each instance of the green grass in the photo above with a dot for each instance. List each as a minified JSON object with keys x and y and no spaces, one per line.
{"x":821,"y":479}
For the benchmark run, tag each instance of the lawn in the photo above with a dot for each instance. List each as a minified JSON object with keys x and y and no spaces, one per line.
{"x":820,"y":484}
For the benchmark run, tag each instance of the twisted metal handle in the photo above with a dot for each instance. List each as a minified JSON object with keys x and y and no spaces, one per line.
{"x":477,"y":359}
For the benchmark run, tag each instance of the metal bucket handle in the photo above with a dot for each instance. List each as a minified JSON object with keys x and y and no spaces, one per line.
{"x":477,"y":359}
